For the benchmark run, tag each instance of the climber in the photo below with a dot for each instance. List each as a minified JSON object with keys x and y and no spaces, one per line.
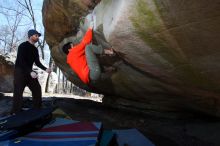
{"x":82,"y":59}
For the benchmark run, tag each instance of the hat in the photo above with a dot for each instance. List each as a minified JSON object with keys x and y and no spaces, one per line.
{"x":33,"y":32}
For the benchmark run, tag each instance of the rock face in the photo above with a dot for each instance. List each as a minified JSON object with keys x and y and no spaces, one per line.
{"x":167,"y":51}
{"x":6,"y":74}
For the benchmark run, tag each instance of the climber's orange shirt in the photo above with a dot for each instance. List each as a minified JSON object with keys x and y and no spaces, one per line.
{"x":77,"y":58}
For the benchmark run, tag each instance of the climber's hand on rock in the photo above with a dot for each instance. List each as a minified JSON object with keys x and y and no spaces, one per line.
{"x":109,"y":51}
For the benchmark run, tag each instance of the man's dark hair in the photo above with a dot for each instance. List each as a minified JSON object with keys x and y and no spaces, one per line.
{"x":66,"y":48}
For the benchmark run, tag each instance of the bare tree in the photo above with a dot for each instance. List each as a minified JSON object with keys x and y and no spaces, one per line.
{"x":13,"y":18}
{"x":27,"y":4}
{"x":51,"y":63}
{"x":58,"y":85}
{"x":13,"y":28}
{"x":4,"y":38}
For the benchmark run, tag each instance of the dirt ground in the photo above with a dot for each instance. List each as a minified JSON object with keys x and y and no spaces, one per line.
{"x":196,"y":130}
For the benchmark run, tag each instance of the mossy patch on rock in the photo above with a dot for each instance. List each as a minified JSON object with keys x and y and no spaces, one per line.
{"x":148,"y":24}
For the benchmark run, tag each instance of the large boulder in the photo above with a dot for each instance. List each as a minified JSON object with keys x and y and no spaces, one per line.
{"x":167,"y":51}
{"x":6,"y":73}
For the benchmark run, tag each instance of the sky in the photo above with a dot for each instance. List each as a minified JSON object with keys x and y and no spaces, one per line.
{"x":22,"y":30}
{"x":37,"y":6}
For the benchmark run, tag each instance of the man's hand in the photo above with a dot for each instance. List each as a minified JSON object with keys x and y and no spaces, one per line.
{"x":34,"y":75}
{"x":48,"y":70}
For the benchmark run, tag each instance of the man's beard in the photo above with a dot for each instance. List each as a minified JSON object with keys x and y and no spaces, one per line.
{"x":35,"y":41}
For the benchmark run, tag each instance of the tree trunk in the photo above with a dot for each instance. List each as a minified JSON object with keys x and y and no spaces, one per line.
{"x":63,"y":84}
{"x":48,"y":77}
{"x":58,"y":85}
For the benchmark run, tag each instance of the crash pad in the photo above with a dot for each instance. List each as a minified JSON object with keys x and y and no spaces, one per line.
{"x":61,"y":132}
{"x":24,"y":122}
{"x":131,"y":137}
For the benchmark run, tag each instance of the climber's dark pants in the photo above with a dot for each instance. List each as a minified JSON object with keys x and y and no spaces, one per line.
{"x":92,"y":61}
{"x":21,"y":80}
